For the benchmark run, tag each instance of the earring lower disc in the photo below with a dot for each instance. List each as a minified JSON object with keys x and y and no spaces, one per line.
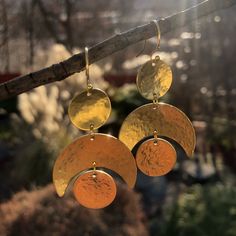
{"x":154,"y":77}
{"x":95,"y":189}
{"x":156,"y":158}
{"x":88,"y":109}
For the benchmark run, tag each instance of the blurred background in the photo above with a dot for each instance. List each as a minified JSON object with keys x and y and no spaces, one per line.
{"x":198,"y":197}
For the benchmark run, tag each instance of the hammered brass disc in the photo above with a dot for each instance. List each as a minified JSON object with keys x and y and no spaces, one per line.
{"x":156,"y":158}
{"x":168,"y":120}
{"x":94,"y":189}
{"x":88,"y":109}
{"x":154,"y":77}
{"x":105,"y":150}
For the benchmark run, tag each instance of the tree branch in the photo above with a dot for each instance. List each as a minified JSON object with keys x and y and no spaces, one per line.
{"x":76,"y":63}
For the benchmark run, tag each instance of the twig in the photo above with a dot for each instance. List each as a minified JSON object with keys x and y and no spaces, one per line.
{"x":76,"y":63}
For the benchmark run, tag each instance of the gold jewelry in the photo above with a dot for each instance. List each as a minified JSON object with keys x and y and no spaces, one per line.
{"x":156,"y":156}
{"x":95,"y":188}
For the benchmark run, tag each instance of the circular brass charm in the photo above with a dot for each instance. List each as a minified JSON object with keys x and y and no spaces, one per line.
{"x":105,"y":150}
{"x":156,"y":158}
{"x":88,"y":109}
{"x":95,"y":189}
{"x":154,"y":77}
{"x":168,"y":120}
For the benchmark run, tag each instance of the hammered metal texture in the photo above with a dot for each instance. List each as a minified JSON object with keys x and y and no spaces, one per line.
{"x":106,"y":150}
{"x":168,"y":120}
{"x":156,"y":158}
{"x":90,"y":109}
{"x":94,"y":189}
{"x":154,"y":76}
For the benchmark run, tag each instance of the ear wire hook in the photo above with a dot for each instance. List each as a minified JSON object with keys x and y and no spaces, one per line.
{"x":89,"y":84}
{"x":158,"y":39}
{"x":158,"y":34}
{"x":144,"y":46}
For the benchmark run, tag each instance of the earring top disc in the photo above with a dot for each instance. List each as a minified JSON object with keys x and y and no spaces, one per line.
{"x":90,"y":109}
{"x":154,"y":77}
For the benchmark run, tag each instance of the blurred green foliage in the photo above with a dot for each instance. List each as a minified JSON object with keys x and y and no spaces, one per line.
{"x":34,"y":164}
{"x":220,"y":132}
{"x":30,"y":159}
{"x":9,"y":105}
{"x":203,"y":210}
{"x":126,"y":99}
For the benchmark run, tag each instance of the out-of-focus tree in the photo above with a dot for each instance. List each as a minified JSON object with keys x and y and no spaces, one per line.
{"x":4,"y":34}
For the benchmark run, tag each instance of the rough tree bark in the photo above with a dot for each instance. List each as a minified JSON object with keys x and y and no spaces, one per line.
{"x":76,"y":63}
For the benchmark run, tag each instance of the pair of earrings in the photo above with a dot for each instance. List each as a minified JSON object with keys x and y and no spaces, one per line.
{"x":85,"y":161}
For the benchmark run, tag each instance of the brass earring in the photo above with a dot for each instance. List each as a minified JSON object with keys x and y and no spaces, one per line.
{"x":156,"y":156}
{"x":83,"y":159}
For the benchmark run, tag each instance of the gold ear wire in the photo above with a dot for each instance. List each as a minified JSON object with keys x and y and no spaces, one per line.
{"x":144,"y":46}
{"x":158,"y":33}
{"x":89,"y":84}
{"x":158,"y":39}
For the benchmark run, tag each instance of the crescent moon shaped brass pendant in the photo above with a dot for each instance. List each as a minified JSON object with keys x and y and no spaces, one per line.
{"x":106,"y":150}
{"x":156,"y":158}
{"x":168,"y":120}
{"x":154,"y":77}
{"x":94,"y":189}
{"x":88,"y":109}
